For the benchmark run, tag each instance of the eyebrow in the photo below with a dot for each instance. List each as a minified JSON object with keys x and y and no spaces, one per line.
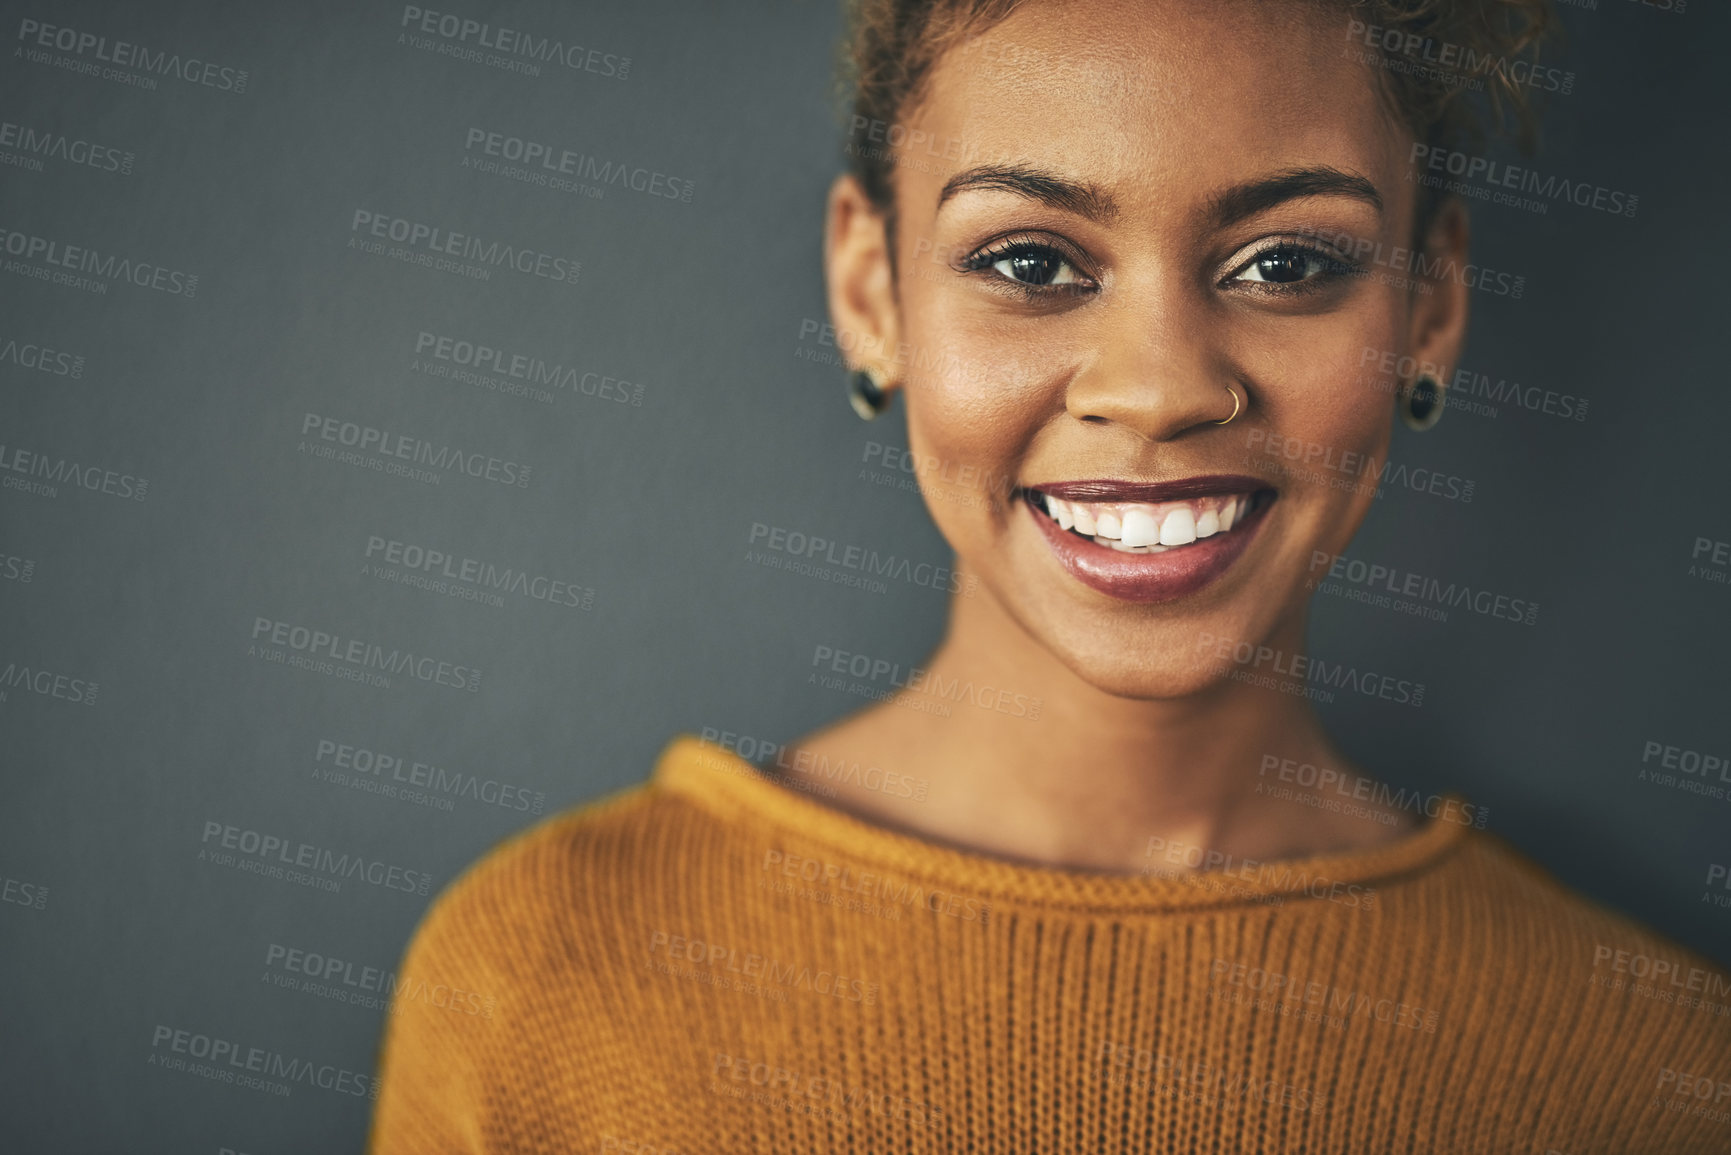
{"x":1246,"y":200}
{"x":1073,"y":196}
{"x":1224,"y":208}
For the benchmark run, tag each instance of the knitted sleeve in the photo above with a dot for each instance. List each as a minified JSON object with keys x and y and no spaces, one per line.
{"x":442,"y":1038}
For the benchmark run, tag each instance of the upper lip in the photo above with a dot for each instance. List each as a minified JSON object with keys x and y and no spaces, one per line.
{"x":1114,"y":489}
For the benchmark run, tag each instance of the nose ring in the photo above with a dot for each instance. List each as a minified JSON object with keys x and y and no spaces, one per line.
{"x":1235,"y":406}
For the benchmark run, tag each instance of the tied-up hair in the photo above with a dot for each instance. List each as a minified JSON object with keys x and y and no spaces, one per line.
{"x":1452,"y":71}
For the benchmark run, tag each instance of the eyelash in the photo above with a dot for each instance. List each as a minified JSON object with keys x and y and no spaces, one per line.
{"x":1337,"y":267}
{"x":982,"y":260}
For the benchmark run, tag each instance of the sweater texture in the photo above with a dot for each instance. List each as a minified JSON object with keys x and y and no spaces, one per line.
{"x":713,"y":962}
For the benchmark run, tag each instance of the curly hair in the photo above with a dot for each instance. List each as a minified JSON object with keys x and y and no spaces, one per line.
{"x":1430,"y":54}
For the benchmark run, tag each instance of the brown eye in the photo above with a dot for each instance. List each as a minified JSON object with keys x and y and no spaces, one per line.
{"x":1032,"y":267}
{"x":1028,"y":265}
{"x":1291,"y":264}
{"x":1032,"y":264}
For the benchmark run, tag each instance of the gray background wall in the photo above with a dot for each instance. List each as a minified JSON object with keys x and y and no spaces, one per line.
{"x":113,"y":926}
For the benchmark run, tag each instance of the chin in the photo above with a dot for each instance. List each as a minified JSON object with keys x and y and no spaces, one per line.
{"x":1176,"y":659}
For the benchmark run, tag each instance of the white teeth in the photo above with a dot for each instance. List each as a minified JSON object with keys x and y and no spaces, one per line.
{"x":1179,"y":528}
{"x":1148,"y":527}
{"x":1118,"y":545}
{"x":1142,"y":528}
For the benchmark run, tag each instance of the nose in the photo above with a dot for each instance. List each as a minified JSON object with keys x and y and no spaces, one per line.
{"x":1154,"y":369}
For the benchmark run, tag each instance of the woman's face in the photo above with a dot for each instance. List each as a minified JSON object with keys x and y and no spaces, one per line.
{"x":1119,"y":211}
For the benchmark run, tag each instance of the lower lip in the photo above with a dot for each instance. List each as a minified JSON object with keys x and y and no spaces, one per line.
{"x":1148,"y":577}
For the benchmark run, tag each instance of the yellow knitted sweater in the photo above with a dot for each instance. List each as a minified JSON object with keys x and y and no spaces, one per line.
{"x":713,"y":963}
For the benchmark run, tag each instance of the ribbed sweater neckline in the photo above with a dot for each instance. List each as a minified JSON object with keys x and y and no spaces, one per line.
{"x":736,"y":792}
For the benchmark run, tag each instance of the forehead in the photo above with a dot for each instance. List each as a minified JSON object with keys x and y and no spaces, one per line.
{"x":1162,"y":93}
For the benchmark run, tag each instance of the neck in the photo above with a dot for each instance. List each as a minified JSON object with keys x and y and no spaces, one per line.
{"x":1033,"y":763}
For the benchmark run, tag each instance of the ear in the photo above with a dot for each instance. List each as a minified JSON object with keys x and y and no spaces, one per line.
{"x":1437,"y":323}
{"x":861,"y":280}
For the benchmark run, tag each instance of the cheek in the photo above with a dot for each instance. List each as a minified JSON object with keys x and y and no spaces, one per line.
{"x":1327,"y":397}
{"x":973,"y":411}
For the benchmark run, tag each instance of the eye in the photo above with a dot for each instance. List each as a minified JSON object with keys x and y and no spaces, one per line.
{"x":1035,"y":265}
{"x":1292,"y":263}
{"x":1027,"y":267}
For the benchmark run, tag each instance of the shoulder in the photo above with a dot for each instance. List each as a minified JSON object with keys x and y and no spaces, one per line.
{"x":1538,"y":950}
{"x":516,"y":959}
{"x":510,"y":905}
{"x":1506,"y":886}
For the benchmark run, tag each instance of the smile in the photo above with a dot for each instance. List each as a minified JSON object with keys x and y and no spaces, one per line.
{"x":1150,"y":527}
{"x":1149,"y":542}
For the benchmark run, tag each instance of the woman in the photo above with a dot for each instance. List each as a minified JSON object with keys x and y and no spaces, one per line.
{"x":1109,"y":251}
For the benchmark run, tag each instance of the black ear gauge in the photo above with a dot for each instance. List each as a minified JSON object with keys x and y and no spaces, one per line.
{"x":1421,"y":402}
